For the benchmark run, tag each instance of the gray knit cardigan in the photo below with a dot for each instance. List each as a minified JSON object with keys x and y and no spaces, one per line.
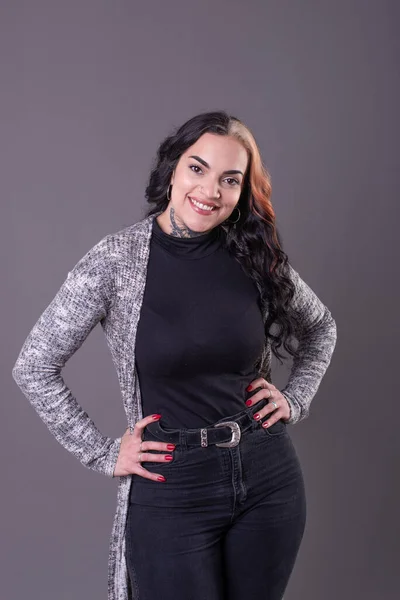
{"x":106,"y":286}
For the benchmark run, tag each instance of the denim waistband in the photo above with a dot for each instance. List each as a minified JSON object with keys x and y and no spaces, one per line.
{"x":210,"y":434}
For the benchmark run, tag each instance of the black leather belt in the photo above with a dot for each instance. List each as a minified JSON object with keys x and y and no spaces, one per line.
{"x":226,"y":434}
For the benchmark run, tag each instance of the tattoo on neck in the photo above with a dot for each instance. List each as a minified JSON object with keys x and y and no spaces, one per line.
{"x":181,"y":230}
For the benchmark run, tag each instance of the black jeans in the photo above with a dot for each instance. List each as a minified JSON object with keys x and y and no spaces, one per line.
{"x":226,"y":524}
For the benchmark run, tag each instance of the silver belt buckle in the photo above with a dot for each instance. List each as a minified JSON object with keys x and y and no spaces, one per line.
{"x":236,"y":434}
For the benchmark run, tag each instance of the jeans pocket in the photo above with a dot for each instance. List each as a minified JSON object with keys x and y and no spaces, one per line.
{"x":155,"y":433}
{"x":276,"y":429}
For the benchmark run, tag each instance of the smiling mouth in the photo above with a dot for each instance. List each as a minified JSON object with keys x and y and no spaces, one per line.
{"x":203,"y":206}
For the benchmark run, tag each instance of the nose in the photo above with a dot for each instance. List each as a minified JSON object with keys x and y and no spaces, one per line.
{"x":211,"y":190}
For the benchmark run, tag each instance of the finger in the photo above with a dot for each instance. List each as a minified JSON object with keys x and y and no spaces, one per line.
{"x":267,"y":391}
{"x":152,"y":457}
{"x":269,"y":417}
{"x":142,"y":472}
{"x":142,"y":423}
{"x":281,"y":411}
{"x":259,"y":382}
{"x":271,"y":420}
{"x":266,"y":410}
{"x":163,"y":446}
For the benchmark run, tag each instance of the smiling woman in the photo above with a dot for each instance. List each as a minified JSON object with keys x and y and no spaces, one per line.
{"x":205,"y":189}
{"x":187,"y":298}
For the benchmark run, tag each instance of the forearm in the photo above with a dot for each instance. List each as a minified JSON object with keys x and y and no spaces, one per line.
{"x":313,"y":356}
{"x":72,"y":427}
{"x":81,"y":302}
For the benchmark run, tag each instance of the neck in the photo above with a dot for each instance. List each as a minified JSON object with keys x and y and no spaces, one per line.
{"x":170,"y":223}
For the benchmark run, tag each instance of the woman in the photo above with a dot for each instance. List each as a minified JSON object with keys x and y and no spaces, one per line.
{"x":211,"y":500}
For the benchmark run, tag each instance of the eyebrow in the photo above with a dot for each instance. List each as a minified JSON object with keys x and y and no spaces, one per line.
{"x":203,"y":162}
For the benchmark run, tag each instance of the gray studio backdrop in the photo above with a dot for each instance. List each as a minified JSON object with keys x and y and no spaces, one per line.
{"x":88,"y":90}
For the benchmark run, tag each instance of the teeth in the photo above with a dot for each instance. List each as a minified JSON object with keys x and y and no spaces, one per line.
{"x":202,"y":206}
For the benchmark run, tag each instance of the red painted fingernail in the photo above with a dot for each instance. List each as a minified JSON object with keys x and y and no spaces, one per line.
{"x":256,"y":416}
{"x":265,"y":424}
{"x":170,"y":446}
{"x":249,"y":402}
{"x":168,"y":457}
{"x":161,"y":478}
{"x":249,"y":387}
{"x":156,"y":416}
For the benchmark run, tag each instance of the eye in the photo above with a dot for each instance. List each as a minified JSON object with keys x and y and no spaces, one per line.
{"x":228,"y":178}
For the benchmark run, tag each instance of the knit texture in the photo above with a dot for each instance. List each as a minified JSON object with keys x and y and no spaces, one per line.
{"x":106,"y":286}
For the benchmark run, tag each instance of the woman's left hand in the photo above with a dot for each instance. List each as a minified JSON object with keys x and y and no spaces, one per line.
{"x":270,"y":392}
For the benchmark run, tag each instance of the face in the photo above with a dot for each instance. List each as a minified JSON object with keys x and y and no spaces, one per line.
{"x":210,"y":172}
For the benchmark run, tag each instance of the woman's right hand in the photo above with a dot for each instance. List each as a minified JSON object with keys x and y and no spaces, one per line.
{"x":131,"y":444}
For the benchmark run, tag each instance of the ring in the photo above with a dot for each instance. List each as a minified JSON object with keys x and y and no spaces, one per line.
{"x":274,"y":403}
{"x":140,"y":453}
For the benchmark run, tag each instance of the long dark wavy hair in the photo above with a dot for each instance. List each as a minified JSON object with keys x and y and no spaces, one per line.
{"x":254,"y":240}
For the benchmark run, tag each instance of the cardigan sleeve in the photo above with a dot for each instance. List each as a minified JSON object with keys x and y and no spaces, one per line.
{"x":82,"y":301}
{"x":316,"y":332}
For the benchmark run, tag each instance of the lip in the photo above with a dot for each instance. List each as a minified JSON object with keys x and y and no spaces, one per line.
{"x":202,"y":211}
{"x":204,"y":201}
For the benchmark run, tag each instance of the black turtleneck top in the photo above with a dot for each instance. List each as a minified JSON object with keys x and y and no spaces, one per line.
{"x":200,"y":330}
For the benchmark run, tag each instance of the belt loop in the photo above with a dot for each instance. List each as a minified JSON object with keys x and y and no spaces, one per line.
{"x":183,"y":438}
{"x":203,"y":437}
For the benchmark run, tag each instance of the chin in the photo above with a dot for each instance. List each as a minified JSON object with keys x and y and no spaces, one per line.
{"x":196,"y":222}
{"x":194,"y":226}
